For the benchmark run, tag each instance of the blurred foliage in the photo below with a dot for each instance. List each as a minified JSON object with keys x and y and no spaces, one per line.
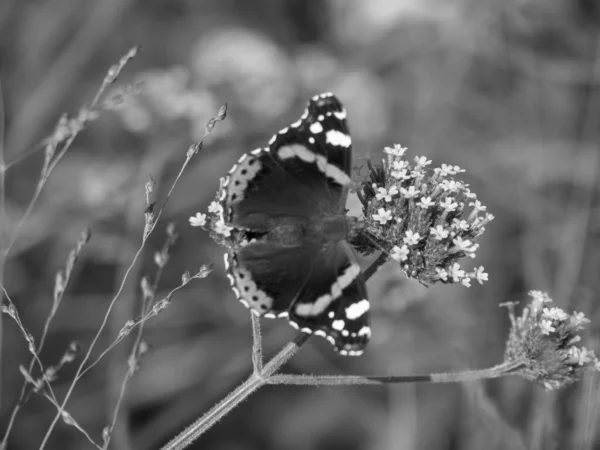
{"x":507,"y":90}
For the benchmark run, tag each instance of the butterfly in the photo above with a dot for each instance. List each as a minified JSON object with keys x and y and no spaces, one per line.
{"x":286,"y":206}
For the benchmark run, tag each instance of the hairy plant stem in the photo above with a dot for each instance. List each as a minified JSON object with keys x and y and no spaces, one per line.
{"x":234,"y":398}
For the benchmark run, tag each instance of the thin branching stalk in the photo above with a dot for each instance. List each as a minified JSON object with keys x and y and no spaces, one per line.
{"x":148,"y":296}
{"x":149,"y":228}
{"x":63,"y":278}
{"x":51,"y":162}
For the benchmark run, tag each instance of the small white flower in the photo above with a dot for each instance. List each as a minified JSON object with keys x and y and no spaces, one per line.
{"x":555,"y":314}
{"x":399,"y":165}
{"x":466,"y":281}
{"x":456,"y":273}
{"x":540,"y":296}
{"x":399,"y":253}
{"x":439,"y":232}
{"x":411,"y":238}
{"x":199,"y":220}
{"x":425,"y":202}
{"x":579,"y":319}
{"x":462,"y":225}
{"x":393,"y":190}
{"x":480,"y":275}
{"x":473,"y":250}
{"x":546,"y":327}
{"x":386,"y":194}
{"x":445,"y":170}
{"x":397,"y":150}
{"x":478,"y":206}
{"x":449,"y":204}
{"x":401,"y":174}
{"x":585,"y":356}
{"x":215,"y":207}
{"x":457,"y":170}
{"x":450,"y":185}
{"x":442,"y":273}
{"x":382,"y":216}
{"x":223,"y":229}
{"x":422,"y":161}
{"x":410,"y":192}
{"x":461,"y":244}
{"x":467,"y":193}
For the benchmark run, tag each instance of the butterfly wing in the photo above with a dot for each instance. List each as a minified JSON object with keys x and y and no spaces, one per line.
{"x":267,"y":277}
{"x":303,"y":173}
{"x":302,"y":176}
{"x":333,"y":302}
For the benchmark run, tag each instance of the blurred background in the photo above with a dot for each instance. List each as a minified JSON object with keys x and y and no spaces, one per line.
{"x":507,"y":90}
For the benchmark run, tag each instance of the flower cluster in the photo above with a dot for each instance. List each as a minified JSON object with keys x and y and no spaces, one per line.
{"x":417,"y":216}
{"x":544,"y":339}
{"x":214,"y":223}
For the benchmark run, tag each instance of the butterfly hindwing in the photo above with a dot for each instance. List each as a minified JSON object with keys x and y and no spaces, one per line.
{"x":333,"y":302}
{"x":267,"y":278}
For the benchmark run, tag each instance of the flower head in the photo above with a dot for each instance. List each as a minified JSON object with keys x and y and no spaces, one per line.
{"x":427,"y":213}
{"x":544,"y":339}
{"x":199,"y":220}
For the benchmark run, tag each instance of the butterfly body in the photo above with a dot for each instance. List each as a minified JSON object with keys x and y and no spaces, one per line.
{"x":286,"y":206}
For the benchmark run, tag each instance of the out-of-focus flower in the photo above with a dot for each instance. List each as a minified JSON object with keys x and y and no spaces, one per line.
{"x":544,"y":339}
{"x":249,"y":63}
{"x":164,"y":96}
{"x":423,"y":225}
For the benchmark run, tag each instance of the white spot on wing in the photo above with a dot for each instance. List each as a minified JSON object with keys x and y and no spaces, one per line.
{"x":338,"y":325}
{"x":311,"y":140}
{"x":335,"y":137}
{"x":316,"y":128}
{"x":340,"y":114}
{"x":356,"y":310}
{"x":364,"y":331}
{"x":320,"y":333}
{"x":272,"y":139}
{"x":286,"y":152}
